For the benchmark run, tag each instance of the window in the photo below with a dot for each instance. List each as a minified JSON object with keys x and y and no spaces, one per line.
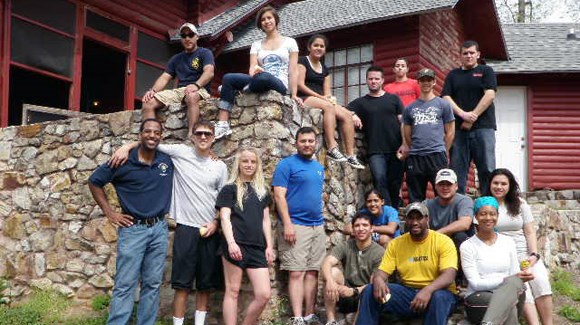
{"x":347,"y":70}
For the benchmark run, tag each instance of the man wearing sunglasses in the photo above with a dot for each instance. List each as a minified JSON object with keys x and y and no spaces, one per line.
{"x":194,"y":69}
{"x":426,"y":262}
{"x":196,"y":184}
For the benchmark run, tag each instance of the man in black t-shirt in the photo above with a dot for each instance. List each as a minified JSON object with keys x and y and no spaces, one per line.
{"x":471,"y":90}
{"x":378,"y":115}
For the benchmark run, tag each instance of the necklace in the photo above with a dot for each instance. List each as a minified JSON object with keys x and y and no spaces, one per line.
{"x":317,"y":68}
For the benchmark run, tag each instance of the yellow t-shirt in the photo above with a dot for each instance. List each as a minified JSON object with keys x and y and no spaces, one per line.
{"x":419,"y":263}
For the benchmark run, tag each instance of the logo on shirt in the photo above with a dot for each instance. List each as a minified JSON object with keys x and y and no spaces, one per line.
{"x":428,"y":116}
{"x":195,"y":64}
{"x":478,"y":74}
{"x":415,"y":259}
{"x":273,"y":64}
{"x":163,"y":167}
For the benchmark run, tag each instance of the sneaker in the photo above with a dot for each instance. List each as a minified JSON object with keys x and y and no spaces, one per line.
{"x":312,"y":319}
{"x":222,"y":129}
{"x":354,"y":163}
{"x":336,"y":155}
{"x":297,"y":321}
{"x":336,"y":322}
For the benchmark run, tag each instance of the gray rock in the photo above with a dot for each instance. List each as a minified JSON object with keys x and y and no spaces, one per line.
{"x":47,"y":162}
{"x":21,"y":198}
{"x":85,"y":163}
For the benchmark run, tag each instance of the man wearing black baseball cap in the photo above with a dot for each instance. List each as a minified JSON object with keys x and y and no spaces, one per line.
{"x":194,"y":68}
{"x":428,"y":130}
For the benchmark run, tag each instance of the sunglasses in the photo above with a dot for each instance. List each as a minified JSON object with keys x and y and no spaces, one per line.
{"x":190,"y":35}
{"x":199,"y":134}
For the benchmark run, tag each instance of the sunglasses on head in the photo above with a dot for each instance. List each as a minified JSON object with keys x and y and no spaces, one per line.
{"x":202,"y":133}
{"x":185,"y":35}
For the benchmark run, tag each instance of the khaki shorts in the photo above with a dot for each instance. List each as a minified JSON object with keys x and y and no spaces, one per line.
{"x":308,"y":251}
{"x":175,"y":96}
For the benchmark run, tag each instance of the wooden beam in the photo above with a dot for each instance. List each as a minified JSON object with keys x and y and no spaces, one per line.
{"x":5,"y":76}
{"x":74,"y":99}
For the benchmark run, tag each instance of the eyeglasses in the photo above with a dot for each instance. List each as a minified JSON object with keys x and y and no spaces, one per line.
{"x":190,"y":35}
{"x":199,"y":134}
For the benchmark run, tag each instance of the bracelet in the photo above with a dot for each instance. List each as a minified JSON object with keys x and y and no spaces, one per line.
{"x":197,"y":85}
{"x":536,"y":255}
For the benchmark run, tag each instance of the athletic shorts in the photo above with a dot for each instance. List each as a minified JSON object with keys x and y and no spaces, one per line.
{"x":540,"y":285}
{"x":307,"y":252}
{"x":176,"y":96}
{"x":196,"y":259}
{"x":253,"y":257}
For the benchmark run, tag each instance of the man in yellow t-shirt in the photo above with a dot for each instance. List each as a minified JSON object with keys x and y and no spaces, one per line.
{"x":426,"y":262}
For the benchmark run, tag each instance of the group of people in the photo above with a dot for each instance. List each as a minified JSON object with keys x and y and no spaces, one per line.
{"x":223,"y":225}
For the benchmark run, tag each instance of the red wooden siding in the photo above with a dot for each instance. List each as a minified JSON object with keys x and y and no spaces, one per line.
{"x":204,"y":10}
{"x":554,"y":135}
{"x":440,"y":36}
{"x":150,"y":14}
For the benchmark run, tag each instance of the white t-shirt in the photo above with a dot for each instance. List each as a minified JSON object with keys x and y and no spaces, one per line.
{"x":513,"y":226}
{"x":196,"y":183}
{"x":485,"y":266}
{"x":276,"y":61}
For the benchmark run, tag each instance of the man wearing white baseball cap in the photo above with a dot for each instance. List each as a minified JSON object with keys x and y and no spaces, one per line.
{"x":194,"y":68}
{"x":450,"y":213}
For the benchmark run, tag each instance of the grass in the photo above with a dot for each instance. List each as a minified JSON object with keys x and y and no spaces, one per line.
{"x":563,"y":284}
{"x":43,"y":307}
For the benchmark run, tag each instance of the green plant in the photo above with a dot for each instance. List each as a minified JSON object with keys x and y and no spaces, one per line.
{"x":563,"y":283}
{"x":101,"y":302}
{"x":3,"y":286}
{"x":570,"y":312}
{"x":275,"y":311}
{"x":43,"y":307}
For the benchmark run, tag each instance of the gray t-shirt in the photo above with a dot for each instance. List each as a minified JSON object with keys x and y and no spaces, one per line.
{"x":196,"y":183}
{"x":358,"y":265}
{"x":427,"y":121}
{"x":441,"y":216}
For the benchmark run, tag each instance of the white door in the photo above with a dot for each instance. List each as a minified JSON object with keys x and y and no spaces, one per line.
{"x":511,"y":140}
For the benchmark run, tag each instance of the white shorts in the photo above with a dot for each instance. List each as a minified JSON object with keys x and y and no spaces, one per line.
{"x":540,"y":285}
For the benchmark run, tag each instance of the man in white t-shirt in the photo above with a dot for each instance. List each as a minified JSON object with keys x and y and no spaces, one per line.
{"x":196,"y":184}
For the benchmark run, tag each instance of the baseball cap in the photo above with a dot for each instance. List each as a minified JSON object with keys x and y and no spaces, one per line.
{"x":426,"y":73}
{"x":190,"y":26}
{"x":417,"y":206}
{"x":446,"y":174}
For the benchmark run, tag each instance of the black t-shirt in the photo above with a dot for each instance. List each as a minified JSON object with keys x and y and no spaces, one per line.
{"x":247,"y":223}
{"x":466,"y":88}
{"x":381,"y":125}
{"x":313,"y":79}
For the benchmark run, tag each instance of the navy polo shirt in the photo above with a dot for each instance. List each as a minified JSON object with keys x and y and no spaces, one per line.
{"x":144,"y":191}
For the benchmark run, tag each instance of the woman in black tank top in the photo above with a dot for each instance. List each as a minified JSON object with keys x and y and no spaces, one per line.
{"x":314,"y":89}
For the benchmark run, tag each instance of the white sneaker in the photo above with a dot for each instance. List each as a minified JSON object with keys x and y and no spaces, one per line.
{"x":354,"y":163}
{"x":222,"y":128}
{"x":336,"y":155}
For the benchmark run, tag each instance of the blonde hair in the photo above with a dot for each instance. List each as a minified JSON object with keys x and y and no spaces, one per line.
{"x":258,"y":182}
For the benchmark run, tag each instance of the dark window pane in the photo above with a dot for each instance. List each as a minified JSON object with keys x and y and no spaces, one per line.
{"x":154,"y":50}
{"x":38,"y":47}
{"x":146,"y":76}
{"x":48,"y":91}
{"x":59,"y":14}
{"x":107,"y":26}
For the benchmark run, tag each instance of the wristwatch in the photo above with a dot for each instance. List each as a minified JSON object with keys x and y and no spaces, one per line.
{"x":536,"y":255}
{"x":355,"y":292}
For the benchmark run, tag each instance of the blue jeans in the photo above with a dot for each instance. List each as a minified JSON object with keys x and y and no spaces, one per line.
{"x":440,"y":306}
{"x":387,"y":171}
{"x":259,"y":83}
{"x":479,"y":145}
{"x":141,"y":253}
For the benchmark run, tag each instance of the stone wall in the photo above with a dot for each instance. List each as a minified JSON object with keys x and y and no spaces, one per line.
{"x":54,"y":236}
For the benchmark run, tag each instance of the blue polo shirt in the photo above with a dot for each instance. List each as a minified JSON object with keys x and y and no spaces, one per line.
{"x":303,"y":179}
{"x":144,"y":191}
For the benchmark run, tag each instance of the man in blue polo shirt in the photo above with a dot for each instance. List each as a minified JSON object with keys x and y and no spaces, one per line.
{"x":297,"y":182}
{"x":144,"y":186}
